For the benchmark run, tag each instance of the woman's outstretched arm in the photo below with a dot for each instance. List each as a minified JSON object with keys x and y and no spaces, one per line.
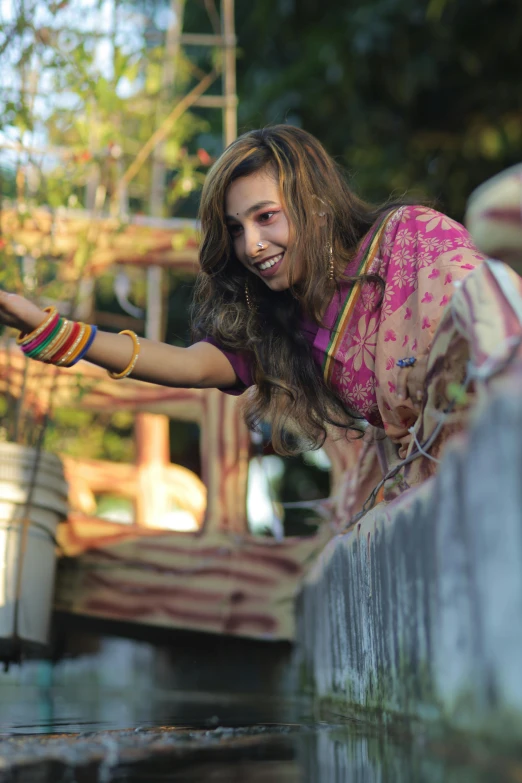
{"x":200,"y":366}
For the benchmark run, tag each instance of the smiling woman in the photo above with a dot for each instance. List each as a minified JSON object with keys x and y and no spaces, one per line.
{"x":300,"y":276}
{"x":326,"y":306}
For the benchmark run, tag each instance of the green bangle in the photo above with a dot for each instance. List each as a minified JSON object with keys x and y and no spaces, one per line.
{"x":39,"y":348}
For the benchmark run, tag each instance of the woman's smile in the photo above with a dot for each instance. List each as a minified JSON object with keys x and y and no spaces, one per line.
{"x":270,"y":266}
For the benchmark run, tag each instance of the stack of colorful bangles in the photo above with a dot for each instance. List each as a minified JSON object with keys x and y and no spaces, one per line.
{"x":57,"y":340}
{"x":63,"y":343}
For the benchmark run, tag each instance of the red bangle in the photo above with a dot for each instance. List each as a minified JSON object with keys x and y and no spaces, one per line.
{"x":23,"y":337}
{"x":42,"y":337}
{"x":72,"y":337}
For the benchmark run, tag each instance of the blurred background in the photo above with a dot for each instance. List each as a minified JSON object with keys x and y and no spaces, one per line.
{"x":408,"y":95}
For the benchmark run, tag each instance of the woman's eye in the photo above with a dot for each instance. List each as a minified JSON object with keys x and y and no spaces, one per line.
{"x":234,"y":229}
{"x":266,"y":216}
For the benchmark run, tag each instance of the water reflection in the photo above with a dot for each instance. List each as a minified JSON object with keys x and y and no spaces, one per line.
{"x":109,"y":735}
{"x":338,"y":756}
{"x":305,"y":753}
{"x":75,"y":710}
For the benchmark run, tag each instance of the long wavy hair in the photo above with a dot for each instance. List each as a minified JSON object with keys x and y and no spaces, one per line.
{"x":289,"y":390}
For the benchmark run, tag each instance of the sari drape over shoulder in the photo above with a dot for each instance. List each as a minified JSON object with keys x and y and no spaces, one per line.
{"x":422,"y":257}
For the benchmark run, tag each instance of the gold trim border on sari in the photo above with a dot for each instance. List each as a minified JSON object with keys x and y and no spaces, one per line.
{"x":346,"y":311}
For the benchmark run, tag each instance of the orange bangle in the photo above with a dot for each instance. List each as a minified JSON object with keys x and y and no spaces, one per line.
{"x":80,"y":346}
{"x":135,"y":353}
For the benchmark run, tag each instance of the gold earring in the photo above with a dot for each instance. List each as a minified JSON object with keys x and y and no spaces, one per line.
{"x":247,"y":297}
{"x":329,"y":255}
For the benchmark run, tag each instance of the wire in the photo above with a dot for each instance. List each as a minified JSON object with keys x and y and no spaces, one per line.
{"x":420,"y":449}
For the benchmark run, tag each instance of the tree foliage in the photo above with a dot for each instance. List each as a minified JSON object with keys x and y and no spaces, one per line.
{"x":406,"y":94}
{"x":80,"y":98}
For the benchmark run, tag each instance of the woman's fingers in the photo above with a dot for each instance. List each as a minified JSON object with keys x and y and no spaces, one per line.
{"x":411,"y":380}
{"x":402,"y":382}
{"x":416,"y":381}
{"x":7,"y":316}
{"x":19,"y":312}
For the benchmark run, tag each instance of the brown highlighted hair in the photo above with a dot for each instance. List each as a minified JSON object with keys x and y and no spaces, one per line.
{"x":289,"y":389}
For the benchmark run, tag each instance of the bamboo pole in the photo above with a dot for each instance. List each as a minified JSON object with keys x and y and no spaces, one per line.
{"x":152,"y":430}
{"x":229,"y":75}
{"x":168,"y":78}
{"x":161,"y":133}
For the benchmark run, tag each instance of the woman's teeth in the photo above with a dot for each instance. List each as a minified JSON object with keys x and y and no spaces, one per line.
{"x":270,"y":262}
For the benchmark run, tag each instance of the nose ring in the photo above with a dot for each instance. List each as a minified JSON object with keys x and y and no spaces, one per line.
{"x":260,"y":244}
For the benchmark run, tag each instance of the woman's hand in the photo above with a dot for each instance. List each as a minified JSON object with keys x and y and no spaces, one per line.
{"x":410,"y":381}
{"x":19,"y":312}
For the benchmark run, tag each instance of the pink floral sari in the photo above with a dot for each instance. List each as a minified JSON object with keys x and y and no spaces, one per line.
{"x":439,"y":298}
{"x":420,"y":254}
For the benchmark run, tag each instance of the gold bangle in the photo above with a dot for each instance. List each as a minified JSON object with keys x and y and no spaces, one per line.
{"x":27,"y":338}
{"x":135,"y":353}
{"x":57,"y":343}
{"x":65,"y":358}
{"x":78,"y":347}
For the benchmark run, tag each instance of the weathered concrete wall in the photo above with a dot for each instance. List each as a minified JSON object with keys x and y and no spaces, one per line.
{"x":419,"y":610}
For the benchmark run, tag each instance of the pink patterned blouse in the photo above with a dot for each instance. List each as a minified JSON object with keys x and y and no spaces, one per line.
{"x":421,"y":255}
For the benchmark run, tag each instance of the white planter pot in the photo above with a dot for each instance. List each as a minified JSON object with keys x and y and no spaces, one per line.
{"x":28,"y":559}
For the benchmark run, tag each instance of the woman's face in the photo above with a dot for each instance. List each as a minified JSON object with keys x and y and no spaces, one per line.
{"x":260,"y":229}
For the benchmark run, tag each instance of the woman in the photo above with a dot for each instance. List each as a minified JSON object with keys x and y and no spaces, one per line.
{"x":306,"y":293}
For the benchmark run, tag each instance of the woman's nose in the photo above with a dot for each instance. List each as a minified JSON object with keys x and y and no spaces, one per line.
{"x":252,"y":242}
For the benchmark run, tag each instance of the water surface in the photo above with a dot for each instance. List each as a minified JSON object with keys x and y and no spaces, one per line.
{"x":70,"y":738}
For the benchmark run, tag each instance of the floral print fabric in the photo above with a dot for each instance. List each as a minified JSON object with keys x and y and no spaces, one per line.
{"x":422,"y":255}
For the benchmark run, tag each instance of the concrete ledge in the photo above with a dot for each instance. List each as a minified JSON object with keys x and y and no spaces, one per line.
{"x":418,"y":611}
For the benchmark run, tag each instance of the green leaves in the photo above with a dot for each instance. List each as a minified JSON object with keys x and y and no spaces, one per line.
{"x":99,"y":93}
{"x":10,"y":277}
{"x":406,"y":95}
